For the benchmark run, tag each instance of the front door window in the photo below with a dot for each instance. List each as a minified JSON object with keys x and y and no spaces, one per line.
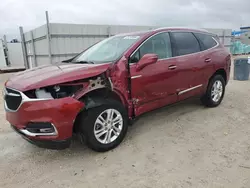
{"x":158,"y":44}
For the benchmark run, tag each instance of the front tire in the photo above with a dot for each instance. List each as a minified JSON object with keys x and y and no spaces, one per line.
{"x":104,"y":127}
{"x":215,"y":91}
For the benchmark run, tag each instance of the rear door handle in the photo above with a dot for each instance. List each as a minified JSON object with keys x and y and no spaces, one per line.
{"x":207,"y":60}
{"x":172,"y":67}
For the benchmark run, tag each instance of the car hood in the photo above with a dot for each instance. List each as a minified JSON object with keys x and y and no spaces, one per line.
{"x":54,"y":74}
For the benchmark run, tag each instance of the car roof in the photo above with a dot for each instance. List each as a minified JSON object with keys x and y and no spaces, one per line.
{"x":185,"y":29}
{"x":138,"y":33}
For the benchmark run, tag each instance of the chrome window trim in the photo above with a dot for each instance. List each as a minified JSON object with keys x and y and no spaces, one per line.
{"x":24,"y":99}
{"x":217,"y":44}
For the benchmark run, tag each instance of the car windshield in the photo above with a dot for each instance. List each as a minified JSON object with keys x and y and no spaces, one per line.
{"x":108,"y":50}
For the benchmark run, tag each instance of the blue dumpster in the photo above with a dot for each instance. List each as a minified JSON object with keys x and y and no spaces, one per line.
{"x":241,"y":69}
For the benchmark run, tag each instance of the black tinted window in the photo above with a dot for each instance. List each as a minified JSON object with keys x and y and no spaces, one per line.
{"x":185,"y":43}
{"x":206,"y":40}
{"x":158,"y":44}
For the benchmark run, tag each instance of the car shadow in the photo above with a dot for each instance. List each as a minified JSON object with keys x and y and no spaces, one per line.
{"x":167,"y":112}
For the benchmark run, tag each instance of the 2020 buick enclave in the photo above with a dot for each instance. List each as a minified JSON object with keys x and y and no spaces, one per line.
{"x":96,"y":93}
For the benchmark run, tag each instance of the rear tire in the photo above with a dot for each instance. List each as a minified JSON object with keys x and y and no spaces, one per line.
{"x":215,"y":91}
{"x":104,"y":127}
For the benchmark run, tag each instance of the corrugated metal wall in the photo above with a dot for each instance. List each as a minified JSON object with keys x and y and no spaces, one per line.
{"x":15,"y":54}
{"x":67,"y":40}
{"x":37,"y":46}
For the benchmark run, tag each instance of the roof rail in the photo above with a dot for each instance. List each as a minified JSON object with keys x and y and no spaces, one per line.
{"x":199,"y":29}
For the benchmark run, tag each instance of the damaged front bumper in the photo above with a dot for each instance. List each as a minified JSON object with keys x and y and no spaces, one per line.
{"x":44,"y":122}
{"x":48,"y":144}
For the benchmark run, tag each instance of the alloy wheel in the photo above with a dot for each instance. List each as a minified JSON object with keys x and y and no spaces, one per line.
{"x":108,"y":126}
{"x":217,"y":91}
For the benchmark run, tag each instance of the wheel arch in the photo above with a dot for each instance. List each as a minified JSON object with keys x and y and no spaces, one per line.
{"x":97,"y":98}
{"x":221,"y":72}
{"x":102,"y":94}
{"x":206,"y":99}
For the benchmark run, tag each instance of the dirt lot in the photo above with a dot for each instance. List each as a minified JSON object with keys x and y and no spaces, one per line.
{"x":185,"y":145}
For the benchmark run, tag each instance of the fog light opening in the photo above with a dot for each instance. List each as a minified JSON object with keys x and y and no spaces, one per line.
{"x":47,"y":130}
{"x":40,"y":129}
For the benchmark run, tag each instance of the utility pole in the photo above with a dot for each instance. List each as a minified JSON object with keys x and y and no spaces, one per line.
{"x":24,"y":50}
{"x":48,"y":37}
{"x":6,"y":51}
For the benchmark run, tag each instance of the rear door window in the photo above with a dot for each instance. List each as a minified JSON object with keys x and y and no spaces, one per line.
{"x":207,"y":41}
{"x":185,"y":43}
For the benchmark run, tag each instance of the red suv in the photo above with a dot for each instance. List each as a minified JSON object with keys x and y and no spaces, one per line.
{"x":97,"y":93}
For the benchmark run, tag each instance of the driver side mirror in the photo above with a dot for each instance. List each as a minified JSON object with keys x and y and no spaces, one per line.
{"x":146,"y":60}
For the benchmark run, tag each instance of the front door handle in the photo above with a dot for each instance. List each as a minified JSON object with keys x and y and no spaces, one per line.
{"x":172,"y":67}
{"x":207,"y":60}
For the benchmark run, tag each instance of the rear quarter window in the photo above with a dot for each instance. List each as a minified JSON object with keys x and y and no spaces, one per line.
{"x":206,"y":40}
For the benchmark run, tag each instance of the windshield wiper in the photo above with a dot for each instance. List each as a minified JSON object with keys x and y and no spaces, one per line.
{"x":83,"y":62}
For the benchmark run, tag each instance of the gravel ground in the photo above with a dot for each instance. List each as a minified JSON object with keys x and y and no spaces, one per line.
{"x":185,"y":145}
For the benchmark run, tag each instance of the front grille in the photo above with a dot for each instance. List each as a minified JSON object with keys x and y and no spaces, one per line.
{"x":12,"y":91}
{"x":13,"y":99}
{"x":31,"y":94}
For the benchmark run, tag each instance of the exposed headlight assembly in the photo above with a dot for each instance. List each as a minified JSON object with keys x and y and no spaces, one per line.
{"x":55,"y":91}
{"x":57,"y":88}
{"x":60,"y":91}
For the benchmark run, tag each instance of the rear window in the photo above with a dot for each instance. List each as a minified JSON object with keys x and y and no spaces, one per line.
{"x":185,"y":43}
{"x":207,"y":41}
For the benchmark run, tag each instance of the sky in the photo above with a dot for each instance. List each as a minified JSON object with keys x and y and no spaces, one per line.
{"x":189,"y":13}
